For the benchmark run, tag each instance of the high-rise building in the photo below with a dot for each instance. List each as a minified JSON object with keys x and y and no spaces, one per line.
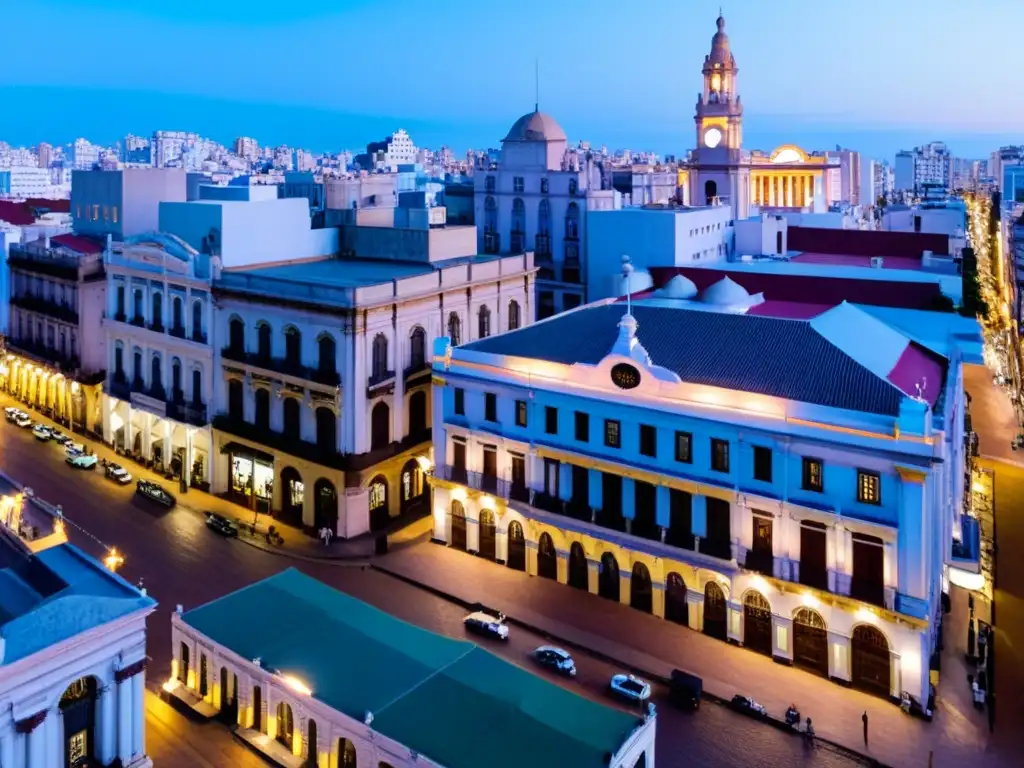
{"x":45,"y":154}
{"x":878,"y":182}
{"x":925,"y":168}
{"x":169,"y":147}
{"x":84,"y":155}
{"x":136,"y":149}
{"x":849,"y":175}
{"x":247,"y":148}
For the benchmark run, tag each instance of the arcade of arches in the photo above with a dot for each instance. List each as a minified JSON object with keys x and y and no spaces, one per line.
{"x":796,"y":628}
{"x":51,"y":393}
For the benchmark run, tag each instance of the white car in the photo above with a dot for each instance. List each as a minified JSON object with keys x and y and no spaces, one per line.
{"x":71,"y":446}
{"x":11,"y":413}
{"x":23,"y":420}
{"x":630,"y":687}
{"x":80,"y":460}
{"x":59,"y":437}
{"x":483,"y":623}
{"x":118,"y":474}
{"x":42,"y":432}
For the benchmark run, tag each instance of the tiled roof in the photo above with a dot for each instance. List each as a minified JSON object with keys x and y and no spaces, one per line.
{"x":78,"y":243}
{"x":764,"y":355}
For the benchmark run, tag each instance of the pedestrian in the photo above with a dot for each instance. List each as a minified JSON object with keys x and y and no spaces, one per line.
{"x":864,"y":719}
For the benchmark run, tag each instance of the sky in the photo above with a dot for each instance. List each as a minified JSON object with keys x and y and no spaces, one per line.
{"x":873,"y":75}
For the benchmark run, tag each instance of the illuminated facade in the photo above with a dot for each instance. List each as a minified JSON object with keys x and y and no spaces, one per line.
{"x":722,"y":171}
{"x":807,"y":517}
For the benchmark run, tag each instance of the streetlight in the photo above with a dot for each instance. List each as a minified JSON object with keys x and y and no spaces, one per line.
{"x":113,"y":560}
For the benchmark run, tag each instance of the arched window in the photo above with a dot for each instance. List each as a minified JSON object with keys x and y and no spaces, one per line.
{"x":292,"y":347}
{"x":380,"y":426}
{"x":326,"y":354}
{"x":710,"y":190}
{"x":378,"y":493}
{"x":326,"y":430}
{"x":490,"y":215}
{"x":454,"y":329}
{"x":177,"y":318}
{"x":197,"y":386}
{"x":263,"y":340}
{"x":292,"y":418}
{"x":198,"y":321}
{"x":417,"y":348}
{"x":346,"y":754}
{"x":156,"y":378}
{"x":544,"y":217}
{"x":380,"y":357}
{"x":574,"y":186}
{"x":119,"y":308}
{"x":285,"y":724}
{"x":137,"y":301}
{"x":156,"y":321}
{"x":513,"y":315}
{"x":484,"y":322}
{"x":176,"y":391}
{"x":517,"y":240}
{"x":417,"y":412}
{"x":236,"y":335}
{"x":572,"y":222}
{"x":262,"y":402}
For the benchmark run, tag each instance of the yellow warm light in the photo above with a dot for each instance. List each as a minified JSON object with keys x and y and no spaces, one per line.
{"x":716,"y":82}
{"x":114,"y":560}
{"x":75,"y":386}
{"x":487,"y":502}
{"x":974,"y":582}
{"x":864,"y":614}
{"x":296,"y":685}
{"x":170,"y":685}
{"x":425,"y":464}
{"x":978,"y":487}
{"x":759,"y":583}
{"x":58,"y":527}
{"x":810,"y":600}
{"x":459,"y":493}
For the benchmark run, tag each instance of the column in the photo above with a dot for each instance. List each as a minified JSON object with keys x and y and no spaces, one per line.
{"x":593,"y":576}
{"x":912,"y":562}
{"x":695,"y":609}
{"x":138,"y":682}
{"x":771,"y":190}
{"x":167,"y":443}
{"x":105,"y":406}
{"x":628,"y":502}
{"x":7,"y":749}
{"x":398,"y":402}
{"x":439,"y":433}
{"x":106,"y":748}
{"x":562,"y":562}
{"x":37,"y":747}
{"x":124,"y":721}
{"x":625,"y":583}
{"x":792,"y":191}
{"x":809,"y":190}
{"x":147,"y":435}
{"x":535,"y":475}
{"x":782,"y":637}
{"x":51,"y":736}
{"x":596,"y":490}
{"x":186,"y":470}
{"x":658,"y":595}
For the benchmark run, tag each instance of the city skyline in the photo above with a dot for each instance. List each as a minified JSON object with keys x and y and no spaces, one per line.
{"x":282,"y":99}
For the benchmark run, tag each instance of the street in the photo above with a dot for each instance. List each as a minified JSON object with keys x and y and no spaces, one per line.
{"x":179,"y":561}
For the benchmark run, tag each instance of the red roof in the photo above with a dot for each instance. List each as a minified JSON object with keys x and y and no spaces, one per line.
{"x":62,"y":205}
{"x":78,"y":243}
{"x":856,"y":242}
{"x":18,"y":214}
{"x":819,"y":290}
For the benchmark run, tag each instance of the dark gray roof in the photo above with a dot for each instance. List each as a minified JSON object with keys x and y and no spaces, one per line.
{"x":767,"y":355}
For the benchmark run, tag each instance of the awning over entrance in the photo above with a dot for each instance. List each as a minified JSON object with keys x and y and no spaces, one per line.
{"x":238,"y":449}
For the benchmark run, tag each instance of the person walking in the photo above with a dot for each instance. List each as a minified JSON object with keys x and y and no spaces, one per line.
{"x":864,"y":719}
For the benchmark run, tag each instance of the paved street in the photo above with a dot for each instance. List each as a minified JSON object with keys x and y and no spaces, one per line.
{"x":995,"y":423}
{"x":180,"y":561}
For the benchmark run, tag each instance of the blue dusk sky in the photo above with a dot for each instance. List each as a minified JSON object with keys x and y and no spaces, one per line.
{"x":875,"y":75}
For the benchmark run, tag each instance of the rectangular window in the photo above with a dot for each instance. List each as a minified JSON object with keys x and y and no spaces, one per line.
{"x":550,"y":420}
{"x":814,"y":476}
{"x":720,"y":455}
{"x":520,"y":413}
{"x":582,"y":427}
{"x":869,"y":487}
{"x":518,"y":471}
{"x":460,"y":401}
{"x":518,"y":184}
{"x":490,"y":406}
{"x":762,"y":463}
{"x":612,"y":436}
{"x":684,"y":447}
{"x":648,"y":440}
{"x":458,"y":454}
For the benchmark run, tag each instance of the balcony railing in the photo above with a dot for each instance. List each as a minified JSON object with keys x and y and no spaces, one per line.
{"x":177,"y":331}
{"x":492,"y":242}
{"x":379,"y":379}
{"x":119,"y":389}
{"x":138,"y":321}
{"x":571,"y":271}
{"x":869,"y":590}
{"x":48,"y":355}
{"x":188,"y":413}
{"x":545,"y":264}
{"x":760,"y":561}
{"x":420,"y":367}
{"x":156,"y":326}
{"x":46,"y":262}
{"x":720,"y":548}
{"x":199,"y":337}
{"x":279,"y":365}
{"x":814,"y":577}
{"x":56,"y":309}
{"x":517,"y":242}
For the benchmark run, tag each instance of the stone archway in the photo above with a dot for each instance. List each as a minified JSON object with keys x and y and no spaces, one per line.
{"x":716,"y":611}
{"x":608,"y":581}
{"x":547,"y":557}
{"x":578,"y":571}
{"x":516,"y":542}
{"x":458,"y":537}
{"x":325,"y":509}
{"x":810,"y":641}
{"x":285,"y":724}
{"x":641,"y":593}
{"x":757,"y":623}
{"x":78,"y":715}
{"x":488,"y":538}
{"x":871,"y":661}
{"x":676,"y":609}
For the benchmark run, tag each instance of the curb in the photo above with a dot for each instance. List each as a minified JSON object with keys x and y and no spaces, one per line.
{"x":722,"y":701}
{"x":341,"y":561}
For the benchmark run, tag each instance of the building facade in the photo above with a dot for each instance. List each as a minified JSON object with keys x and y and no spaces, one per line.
{"x":160,"y":366}
{"x":55,"y":360}
{"x":322,"y":385}
{"x":929,"y":167}
{"x":123,"y":203}
{"x":733,"y":476}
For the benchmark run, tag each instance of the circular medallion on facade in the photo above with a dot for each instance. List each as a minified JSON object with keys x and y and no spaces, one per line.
{"x":625,"y":376}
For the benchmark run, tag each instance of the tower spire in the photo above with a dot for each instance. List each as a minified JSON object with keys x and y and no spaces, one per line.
{"x":536,"y":84}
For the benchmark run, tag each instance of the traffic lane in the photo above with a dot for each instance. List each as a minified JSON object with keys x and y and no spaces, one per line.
{"x":179,"y":560}
{"x":992,"y":414}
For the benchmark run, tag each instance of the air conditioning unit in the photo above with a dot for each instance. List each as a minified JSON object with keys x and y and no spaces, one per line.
{"x":877,"y":262}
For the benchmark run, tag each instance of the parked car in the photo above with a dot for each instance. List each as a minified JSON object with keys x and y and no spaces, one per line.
{"x":71,"y":445}
{"x":117,"y":473}
{"x":23,"y":420}
{"x":685,"y":689}
{"x":747,"y":706}
{"x":11,"y":413}
{"x":80,"y":460}
{"x":485,"y":623}
{"x":42,"y":432}
{"x":630,"y":688}
{"x":60,"y":438}
{"x":555,"y":659}
{"x":155,"y":493}
{"x":220,"y":524}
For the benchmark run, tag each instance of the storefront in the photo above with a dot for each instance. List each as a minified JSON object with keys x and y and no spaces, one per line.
{"x":251,"y":480}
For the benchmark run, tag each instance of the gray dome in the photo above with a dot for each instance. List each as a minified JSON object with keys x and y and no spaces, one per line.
{"x":536,"y":126}
{"x":679,"y":287}
{"x":725,"y":293}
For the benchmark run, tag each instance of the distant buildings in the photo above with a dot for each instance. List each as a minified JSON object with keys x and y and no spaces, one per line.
{"x":136,"y":150}
{"x":84,"y":155}
{"x":21,"y":182}
{"x":123,"y":203}
{"x":924,"y":169}
{"x":246,"y":148}
{"x":388,"y":154}
{"x":849,"y":175}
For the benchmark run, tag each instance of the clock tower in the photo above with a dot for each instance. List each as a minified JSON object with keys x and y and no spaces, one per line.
{"x":719,"y":122}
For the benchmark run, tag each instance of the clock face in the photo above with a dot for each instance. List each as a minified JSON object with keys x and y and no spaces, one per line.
{"x":712,"y":138}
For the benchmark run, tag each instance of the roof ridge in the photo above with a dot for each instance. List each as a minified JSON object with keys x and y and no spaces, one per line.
{"x":431,"y":676}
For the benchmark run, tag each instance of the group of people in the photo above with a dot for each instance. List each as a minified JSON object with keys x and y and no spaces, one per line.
{"x":793,"y":721}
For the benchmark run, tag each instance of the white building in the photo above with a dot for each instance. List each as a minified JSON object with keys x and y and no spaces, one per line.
{"x":535,"y":200}
{"x":24,"y":182}
{"x":160,"y":369}
{"x":849,"y":175}
{"x":794,"y":486}
{"x":247,"y":148}
{"x":300,"y":707}
{"x":323,"y":378}
{"x":84,"y":154}
{"x":72,"y":679}
{"x":929,"y":166}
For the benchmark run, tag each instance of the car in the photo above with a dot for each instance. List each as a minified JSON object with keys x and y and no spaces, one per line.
{"x":42,"y":432}
{"x":11,"y":413}
{"x":555,"y":659}
{"x":71,"y":445}
{"x":630,"y":687}
{"x":747,"y":706}
{"x":155,"y":493}
{"x":485,"y":623}
{"x":23,"y":420}
{"x":59,"y":437}
{"x":222,"y":525}
{"x":117,"y":473}
{"x":81,"y":460}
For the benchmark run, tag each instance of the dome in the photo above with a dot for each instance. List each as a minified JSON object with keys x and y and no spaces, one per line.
{"x":725,"y":293}
{"x":720,"y":45}
{"x":679,"y":287}
{"x":536,"y":126}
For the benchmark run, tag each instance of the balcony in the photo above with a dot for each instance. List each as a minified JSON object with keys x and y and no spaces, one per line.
{"x":55,"y":309}
{"x":517,"y":242}
{"x":760,"y":561}
{"x":814,"y":577}
{"x":379,"y":380}
{"x":492,"y":242}
{"x":571,"y":271}
{"x":177,"y":331}
{"x":720,"y":548}
{"x":46,"y":355}
{"x":138,"y":321}
{"x":280,"y":365}
{"x":48,"y":262}
{"x":198,"y":337}
{"x":188,"y":413}
{"x":119,"y":389}
{"x":156,"y":327}
{"x":545,"y":266}
{"x":120,"y":317}
{"x":415,"y":371}
{"x":680,"y":539}
{"x":519,"y":492}
{"x":868,"y":590}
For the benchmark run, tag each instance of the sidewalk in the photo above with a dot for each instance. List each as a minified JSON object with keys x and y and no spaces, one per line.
{"x":654,"y":647}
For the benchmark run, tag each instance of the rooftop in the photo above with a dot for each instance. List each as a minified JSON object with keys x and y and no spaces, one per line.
{"x":55,"y":594}
{"x":843,"y":358}
{"x":338,"y":273}
{"x":421,"y":688}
